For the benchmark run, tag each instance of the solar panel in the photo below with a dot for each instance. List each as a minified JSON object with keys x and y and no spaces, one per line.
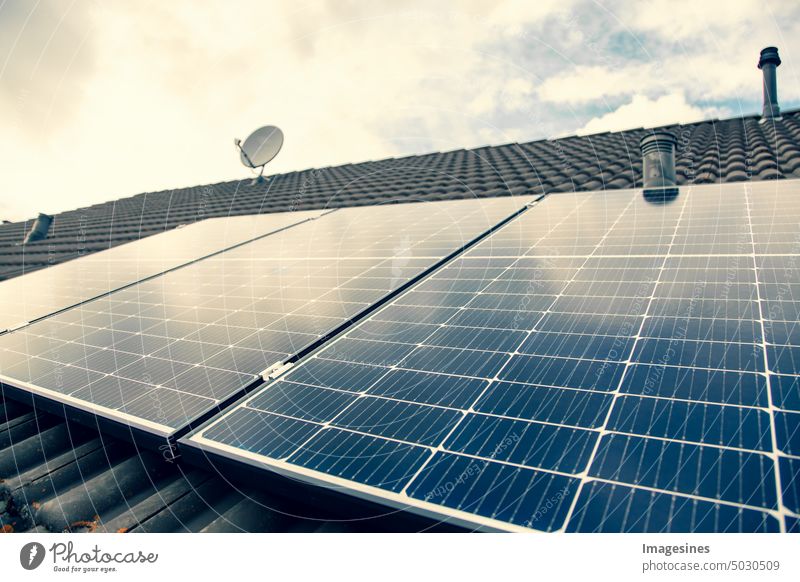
{"x":604,"y":362}
{"x":158,"y":355}
{"x":41,"y":293}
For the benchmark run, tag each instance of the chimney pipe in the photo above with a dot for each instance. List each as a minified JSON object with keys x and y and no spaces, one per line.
{"x":768,"y":63}
{"x":658,"y":161}
{"x":39,"y":229}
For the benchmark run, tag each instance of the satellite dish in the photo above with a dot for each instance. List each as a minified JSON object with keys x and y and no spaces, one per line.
{"x":260,"y":148}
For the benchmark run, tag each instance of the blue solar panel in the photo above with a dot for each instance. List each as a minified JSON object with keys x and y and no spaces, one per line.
{"x":41,"y":293}
{"x":727,"y":426}
{"x":601,"y":363}
{"x":711,"y":472}
{"x":500,"y":492}
{"x":158,"y":355}
{"x":610,"y":507}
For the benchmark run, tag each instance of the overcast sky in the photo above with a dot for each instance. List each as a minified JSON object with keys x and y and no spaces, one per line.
{"x":103,"y":99}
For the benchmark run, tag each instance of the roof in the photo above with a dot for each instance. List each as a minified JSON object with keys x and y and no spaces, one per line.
{"x":56,"y":475}
{"x":708,"y":152}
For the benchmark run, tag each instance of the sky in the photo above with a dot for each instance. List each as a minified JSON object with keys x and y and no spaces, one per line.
{"x":101,"y":99}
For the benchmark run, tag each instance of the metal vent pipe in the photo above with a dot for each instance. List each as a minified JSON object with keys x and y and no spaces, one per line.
{"x":768,"y":63}
{"x":658,"y":160}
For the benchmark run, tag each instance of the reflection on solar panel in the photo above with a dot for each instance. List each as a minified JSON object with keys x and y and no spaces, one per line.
{"x":161,"y":353}
{"x":604,"y":362}
{"x":41,"y":293}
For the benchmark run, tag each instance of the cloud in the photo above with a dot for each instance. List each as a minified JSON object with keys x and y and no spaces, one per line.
{"x":645,"y":112}
{"x":692,"y":20}
{"x":46,"y":54}
{"x":584,"y":84}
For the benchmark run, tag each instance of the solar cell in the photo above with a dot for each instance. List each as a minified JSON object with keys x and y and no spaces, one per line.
{"x":38,"y":294}
{"x":600,"y":363}
{"x":157,"y":355}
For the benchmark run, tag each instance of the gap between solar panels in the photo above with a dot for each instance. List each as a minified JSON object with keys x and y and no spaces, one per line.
{"x":150,"y":361}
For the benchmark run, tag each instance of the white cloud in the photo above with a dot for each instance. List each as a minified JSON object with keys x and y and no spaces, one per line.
{"x":513,"y":94}
{"x":46,"y":51}
{"x":690,"y":19}
{"x":645,"y":112}
{"x":589,"y":83}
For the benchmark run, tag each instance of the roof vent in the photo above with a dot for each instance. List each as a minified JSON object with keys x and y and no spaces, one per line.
{"x":768,"y":63}
{"x":40,"y":228}
{"x":658,"y":161}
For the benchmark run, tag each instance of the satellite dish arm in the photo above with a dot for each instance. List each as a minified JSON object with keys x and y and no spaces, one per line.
{"x":238,"y":143}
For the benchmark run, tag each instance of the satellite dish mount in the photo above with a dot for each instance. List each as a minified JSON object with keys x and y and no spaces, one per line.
{"x":259,"y":149}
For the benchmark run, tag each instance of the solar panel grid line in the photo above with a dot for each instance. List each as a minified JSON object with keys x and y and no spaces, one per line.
{"x":345,"y":409}
{"x":452,"y":243}
{"x":405,"y":503}
{"x":131,"y":420}
{"x":689,"y":496}
{"x":732,"y":392}
{"x":772,"y":410}
{"x":127,"y":282}
{"x":663,"y":439}
{"x":497,"y":375}
{"x":583,"y":474}
{"x":333,"y":423}
{"x":381,"y":397}
{"x":646,"y":336}
{"x":617,"y":392}
{"x":726,"y":467}
{"x":576,"y":525}
{"x":446,"y":322}
{"x":416,"y":475}
{"x":613,"y":409}
{"x":122,"y":367}
{"x":482,"y":412}
{"x":726,"y":405}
